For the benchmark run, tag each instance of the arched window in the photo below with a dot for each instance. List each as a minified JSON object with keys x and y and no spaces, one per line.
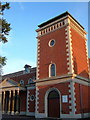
{"x":30,"y":81}
{"x":52,"y":70}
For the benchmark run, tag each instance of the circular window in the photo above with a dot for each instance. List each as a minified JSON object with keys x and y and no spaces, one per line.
{"x":52,"y":43}
{"x":32,"y":98}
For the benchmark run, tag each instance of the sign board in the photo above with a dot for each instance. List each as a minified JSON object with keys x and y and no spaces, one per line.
{"x":64,"y":98}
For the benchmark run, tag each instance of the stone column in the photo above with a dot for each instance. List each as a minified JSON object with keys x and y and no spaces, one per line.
{"x":3,"y":102}
{"x":6,"y":101}
{"x":9,"y":103}
{"x":13,"y":101}
{"x":17,"y":102}
{"x":0,"y":102}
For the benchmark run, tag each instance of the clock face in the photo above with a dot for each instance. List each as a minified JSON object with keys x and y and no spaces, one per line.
{"x":32,"y":97}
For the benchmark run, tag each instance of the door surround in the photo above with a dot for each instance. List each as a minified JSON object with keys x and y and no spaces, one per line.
{"x":46,"y":100}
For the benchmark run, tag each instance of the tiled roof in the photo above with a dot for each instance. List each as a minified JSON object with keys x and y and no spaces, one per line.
{"x":21,"y":75}
{"x":17,"y":73}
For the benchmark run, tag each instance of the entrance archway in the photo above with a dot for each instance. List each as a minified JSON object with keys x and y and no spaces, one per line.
{"x":53,"y":104}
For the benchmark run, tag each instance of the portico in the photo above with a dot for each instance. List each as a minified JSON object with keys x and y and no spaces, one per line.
{"x":10,"y":100}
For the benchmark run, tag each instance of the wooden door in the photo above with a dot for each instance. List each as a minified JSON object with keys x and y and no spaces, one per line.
{"x":53,"y":104}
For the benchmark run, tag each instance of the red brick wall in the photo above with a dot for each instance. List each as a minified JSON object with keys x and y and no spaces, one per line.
{"x":64,"y":90}
{"x":89,"y":98}
{"x":79,"y":54}
{"x":82,"y":94}
{"x":56,"y":54}
{"x":24,"y":77}
{"x":23,"y":98}
{"x":31,"y":103}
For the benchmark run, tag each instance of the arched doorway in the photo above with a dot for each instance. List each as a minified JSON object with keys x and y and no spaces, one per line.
{"x":54,"y":104}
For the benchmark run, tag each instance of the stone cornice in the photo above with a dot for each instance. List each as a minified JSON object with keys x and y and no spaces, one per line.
{"x":70,"y":76}
{"x":50,"y":24}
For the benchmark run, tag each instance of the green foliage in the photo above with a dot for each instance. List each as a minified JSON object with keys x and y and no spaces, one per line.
{"x":4,"y":25}
{"x":3,"y":7}
{"x":4,"y":28}
{"x":3,"y":60}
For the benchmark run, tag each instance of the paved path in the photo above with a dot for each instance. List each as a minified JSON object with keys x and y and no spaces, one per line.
{"x":16,"y":117}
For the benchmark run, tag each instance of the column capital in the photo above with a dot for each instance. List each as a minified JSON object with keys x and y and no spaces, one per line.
{"x":18,"y":91}
{"x":10,"y":92}
{"x":13,"y":91}
{"x":4,"y":92}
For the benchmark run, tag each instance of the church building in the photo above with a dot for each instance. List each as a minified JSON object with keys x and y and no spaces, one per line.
{"x":59,"y":86}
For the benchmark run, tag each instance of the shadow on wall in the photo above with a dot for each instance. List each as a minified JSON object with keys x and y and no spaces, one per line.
{"x":84,"y":73}
{"x":83,"y":90}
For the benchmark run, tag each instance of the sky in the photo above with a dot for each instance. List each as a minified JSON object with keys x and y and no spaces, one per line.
{"x":25,"y":17}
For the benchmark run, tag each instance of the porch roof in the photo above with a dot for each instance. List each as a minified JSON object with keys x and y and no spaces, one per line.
{"x":9,"y":84}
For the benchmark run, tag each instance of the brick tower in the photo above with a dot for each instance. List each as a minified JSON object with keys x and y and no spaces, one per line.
{"x":62,"y":69}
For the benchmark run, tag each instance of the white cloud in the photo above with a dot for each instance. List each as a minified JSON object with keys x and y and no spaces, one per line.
{"x":15,"y":65}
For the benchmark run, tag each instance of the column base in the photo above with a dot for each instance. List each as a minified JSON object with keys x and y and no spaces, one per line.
{"x":12,"y":113}
{"x":3,"y":112}
{"x":16,"y":113}
{"x":9,"y":112}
